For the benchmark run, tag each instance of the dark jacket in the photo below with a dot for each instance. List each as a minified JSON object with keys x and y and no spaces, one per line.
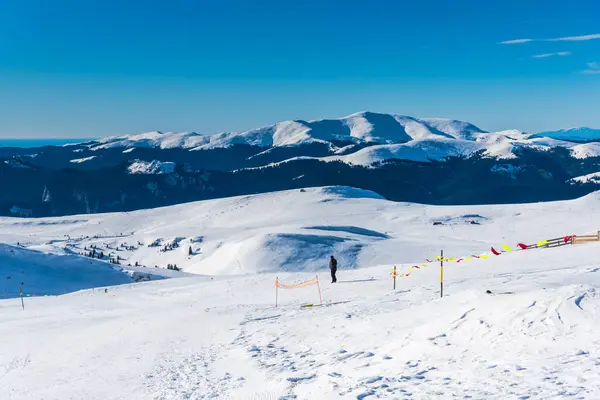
{"x":333,"y":264}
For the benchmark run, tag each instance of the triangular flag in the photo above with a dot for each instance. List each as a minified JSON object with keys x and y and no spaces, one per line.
{"x":523,"y":246}
{"x":542,"y":243}
{"x":505,"y":247}
{"x":495,"y":252}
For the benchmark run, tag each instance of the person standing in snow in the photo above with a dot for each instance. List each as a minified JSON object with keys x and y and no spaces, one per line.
{"x":333,"y":268}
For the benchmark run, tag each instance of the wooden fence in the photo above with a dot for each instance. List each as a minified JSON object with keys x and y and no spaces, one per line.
{"x":564,"y":241}
{"x":580,"y":239}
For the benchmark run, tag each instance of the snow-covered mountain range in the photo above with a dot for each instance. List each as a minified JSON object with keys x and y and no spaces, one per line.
{"x":364,"y":127}
{"x":366,"y":138}
{"x":402,"y":158}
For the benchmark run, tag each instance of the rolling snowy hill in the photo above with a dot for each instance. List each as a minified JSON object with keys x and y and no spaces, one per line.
{"x":296,"y":231}
{"x":534,"y":336}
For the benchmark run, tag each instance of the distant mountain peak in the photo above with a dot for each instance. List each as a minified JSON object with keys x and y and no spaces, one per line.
{"x":580,"y":133}
{"x":361,"y":127}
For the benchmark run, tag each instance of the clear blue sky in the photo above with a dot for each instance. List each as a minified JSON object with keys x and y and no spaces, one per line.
{"x":75,"y":68}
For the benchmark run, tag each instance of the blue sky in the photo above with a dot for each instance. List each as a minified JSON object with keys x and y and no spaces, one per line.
{"x":71,"y":68}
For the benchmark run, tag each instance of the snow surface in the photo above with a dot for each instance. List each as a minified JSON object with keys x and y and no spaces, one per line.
{"x":586,"y":150}
{"x":154,"y":167}
{"x":589,"y":178}
{"x":39,"y":273}
{"x":82,"y":160}
{"x":220,"y":336}
{"x":156,"y":139}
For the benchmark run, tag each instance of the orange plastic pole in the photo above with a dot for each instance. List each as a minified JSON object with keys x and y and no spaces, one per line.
{"x":319,"y":288}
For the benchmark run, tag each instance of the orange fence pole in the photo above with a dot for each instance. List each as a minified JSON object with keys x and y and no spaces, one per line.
{"x":319,"y":288}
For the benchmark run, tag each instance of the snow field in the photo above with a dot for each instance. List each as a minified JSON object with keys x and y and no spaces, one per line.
{"x":218,"y":334}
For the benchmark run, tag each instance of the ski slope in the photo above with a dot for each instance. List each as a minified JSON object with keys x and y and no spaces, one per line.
{"x":214,"y":331}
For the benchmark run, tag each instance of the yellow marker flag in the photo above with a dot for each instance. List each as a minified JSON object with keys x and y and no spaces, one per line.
{"x":484,"y":256}
{"x":542,"y":243}
{"x":468,"y":259}
{"x":505,"y":247}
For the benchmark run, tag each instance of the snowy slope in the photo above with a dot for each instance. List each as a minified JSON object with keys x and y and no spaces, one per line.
{"x":578,"y":134}
{"x":586,"y":150}
{"x":151,"y":168}
{"x":39,"y":273}
{"x":156,"y":139}
{"x":589,"y":178}
{"x":499,"y":145}
{"x":202,"y":337}
{"x":223,"y":338}
{"x":297,"y":230}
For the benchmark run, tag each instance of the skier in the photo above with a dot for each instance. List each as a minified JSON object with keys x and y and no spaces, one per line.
{"x":333,"y":268}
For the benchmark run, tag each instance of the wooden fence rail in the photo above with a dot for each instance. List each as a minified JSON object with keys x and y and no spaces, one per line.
{"x":580,"y":239}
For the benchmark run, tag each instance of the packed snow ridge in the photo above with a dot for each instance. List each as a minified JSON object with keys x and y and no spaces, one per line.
{"x":391,"y":136}
{"x":523,"y":325}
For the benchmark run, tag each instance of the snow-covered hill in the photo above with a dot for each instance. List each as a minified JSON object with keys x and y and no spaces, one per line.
{"x":38,"y":273}
{"x":150,"y":168}
{"x":533,"y":336}
{"x":594,"y":178}
{"x":298,"y":230}
{"x":577,"y":134}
